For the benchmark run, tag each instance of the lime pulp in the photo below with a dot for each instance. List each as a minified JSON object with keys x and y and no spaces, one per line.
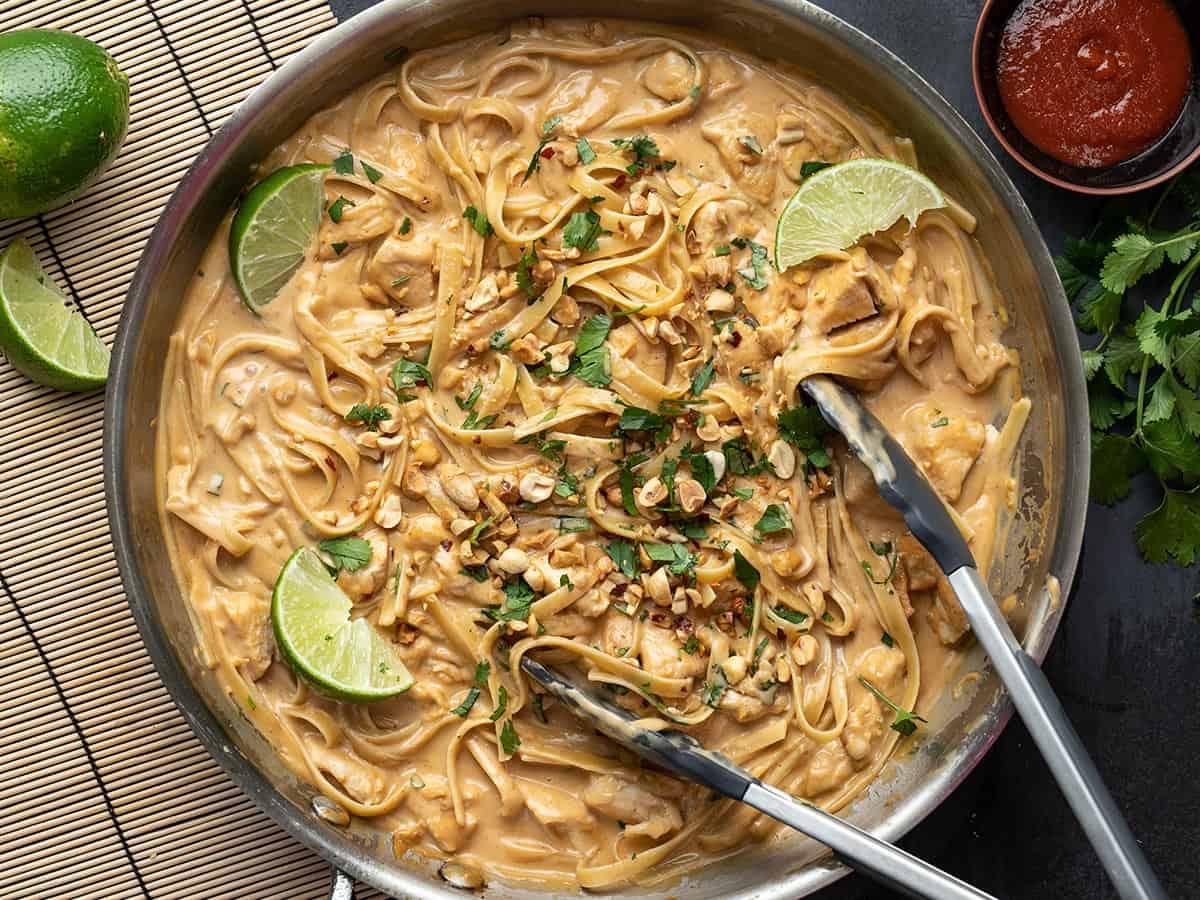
{"x":42,"y":337}
{"x":838,"y":206}
{"x":345,"y":658}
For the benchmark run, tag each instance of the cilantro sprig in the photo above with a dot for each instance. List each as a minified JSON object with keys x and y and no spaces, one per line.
{"x":1144,"y":370}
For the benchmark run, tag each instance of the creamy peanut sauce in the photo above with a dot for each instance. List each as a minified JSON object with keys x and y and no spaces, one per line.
{"x":256,"y":456}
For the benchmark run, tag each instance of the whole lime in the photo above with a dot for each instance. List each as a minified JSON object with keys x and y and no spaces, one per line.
{"x":64,"y":108}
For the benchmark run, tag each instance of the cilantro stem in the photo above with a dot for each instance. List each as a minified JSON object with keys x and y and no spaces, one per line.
{"x":1178,"y":287}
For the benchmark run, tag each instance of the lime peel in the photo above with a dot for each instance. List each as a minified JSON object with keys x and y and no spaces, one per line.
{"x":836,"y":207}
{"x":273,"y":229}
{"x":345,"y":658}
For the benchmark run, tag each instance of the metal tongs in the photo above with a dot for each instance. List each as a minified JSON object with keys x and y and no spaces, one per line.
{"x":903,"y":485}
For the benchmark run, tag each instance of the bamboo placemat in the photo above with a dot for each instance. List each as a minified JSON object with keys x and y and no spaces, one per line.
{"x":104,"y":792}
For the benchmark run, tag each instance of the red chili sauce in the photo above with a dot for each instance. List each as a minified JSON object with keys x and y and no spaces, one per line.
{"x":1094,"y":82}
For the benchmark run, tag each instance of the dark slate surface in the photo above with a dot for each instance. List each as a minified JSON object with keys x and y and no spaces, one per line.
{"x":1127,"y":657}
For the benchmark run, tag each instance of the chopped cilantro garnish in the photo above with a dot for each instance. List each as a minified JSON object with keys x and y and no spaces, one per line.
{"x":905,"y":721}
{"x":343,"y":163}
{"x":338,"y":207}
{"x":624,"y":554}
{"x":774,"y":519}
{"x":582,"y":230}
{"x":370,"y":416}
{"x":587,"y":155}
{"x":478,"y":221}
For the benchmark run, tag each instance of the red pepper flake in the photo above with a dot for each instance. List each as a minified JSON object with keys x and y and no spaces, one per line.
{"x":684,"y":625}
{"x":548,"y":153}
{"x":735,"y":339}
{"x":618,"y":182}
{"x":446,"y":545}
{"x":619,"y":589}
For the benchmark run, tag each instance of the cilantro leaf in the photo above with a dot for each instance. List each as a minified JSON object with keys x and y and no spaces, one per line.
{"x":369,"y":416}
{"x":464,"y":708}
{"x":518,"y":598}
{"x":676,"y":556}
{"x":905,"y":721}
{"x":1099,"y":311}
{"x":347,"y":553}
{"x":702,"y":470}
{"x":501,"y":704}
{"x":703,"y":377}
{"x":509,"y":739}
{"x":644,"y":149}
{"x":789,"y":615}
{"x":482,"y":670}
{"x":1149,"y":335}
{"x":803,"y":427}
{"x":1172,"y":530}
{"x":624,"y":554}
{"x":1073,"y":280}
{"x":1132,"y":256}
{"x":372,"y":173}
{"x":583,"y":231}
{"x":1124,"y":354}
{"x":1092,"y":362}
{"x":592,"y":333}
{"x":535,"y":161}
{"x":1107,"y":405}
{"x":406,"y":375}
{"x":774,"y":519}
{"x":744,"y":571}
{"x":1172,"y":453}
{"x":524,"y":275}
{"x":637,"y":419}
{"x":1162,"y":401}
{"x":343,"y":163}
{"x":755,"y":275}
{"x":587,"y":155}
{"x":338,"y":207}
{"x":812,"y":167}
{"x":478,"y":221}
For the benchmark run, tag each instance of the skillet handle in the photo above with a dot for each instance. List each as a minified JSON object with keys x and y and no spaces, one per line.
{"x":341,"y":885}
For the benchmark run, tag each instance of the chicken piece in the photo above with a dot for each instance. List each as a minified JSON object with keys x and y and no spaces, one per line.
{"x":644,"y":813}
{"x":669,"y":76}
{"x":883,"y":666}
{"x":570,"y":625}
{"x":618,"y":633}
{"x":921,"y":568}
{"x":715,"y":223}
{"x":837,"y":295}
{"x":864,"y":726}
{"x":244,"y":620}
{"x":828,"y":768}
{"x":944,"y":446}
{"x":739,"y":135}
{"x":862,"y":494}
{"x":662,"y":654}
{"x":946,"y":615}
{"x":552,"y":806}
{"x":745,"y":707}
{"x":805,"y":135}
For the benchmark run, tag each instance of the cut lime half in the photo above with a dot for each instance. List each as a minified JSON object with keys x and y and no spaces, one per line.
{"x":838,"y":206}
{"x":339,"y":656}
{"x":42,"y":337}
{"x":273,"y":229}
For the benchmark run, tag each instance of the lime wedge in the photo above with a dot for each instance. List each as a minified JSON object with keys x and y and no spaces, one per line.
{"x":339,"y":656}
{"x":273,"y":229}
{"x":838,"y":206}
{"x":42,"y":337}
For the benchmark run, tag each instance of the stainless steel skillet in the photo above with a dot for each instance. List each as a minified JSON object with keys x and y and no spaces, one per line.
{"x":1044,"y":542}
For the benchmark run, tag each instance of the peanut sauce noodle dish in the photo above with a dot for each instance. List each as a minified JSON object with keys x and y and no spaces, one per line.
{"x":517,"y":373}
